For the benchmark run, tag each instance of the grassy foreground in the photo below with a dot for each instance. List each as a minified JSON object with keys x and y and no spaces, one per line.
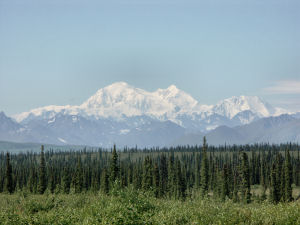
{"x":131,"y":207}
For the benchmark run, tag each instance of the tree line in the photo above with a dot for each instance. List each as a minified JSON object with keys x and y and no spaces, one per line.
{"x":183,"y":172}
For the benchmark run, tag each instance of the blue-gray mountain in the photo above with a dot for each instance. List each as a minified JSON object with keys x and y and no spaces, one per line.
{"x":130,"y":116}
{"x":145,"y":132}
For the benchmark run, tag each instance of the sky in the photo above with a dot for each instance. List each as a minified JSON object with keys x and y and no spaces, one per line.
{"x":58,"y":52}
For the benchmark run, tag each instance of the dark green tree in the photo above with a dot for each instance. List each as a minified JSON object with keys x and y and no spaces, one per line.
{"x":235,"y":196}
{"x":95,"y":185}
{"x":204,"y":178}
{"x":32,"y":181}
{"x":66,"y":181}
{"x":137,"y":177}
{"x":171,"y":177}
{"x":8,"y":183}
{"x":42,"y":185}
{"x":197,"y":171}
{"x":245,"y":178}
{"x":163,"y":176}
{"x":52,"y":182}
{"x":274,"y":188}
{"x":114,"y":167}
{"x":180,"y":185}
{"x":78,"y":179}
{"x":147,"y":174}
{"x":288,"y":177}
{"x":156,"y":179}
{"x":225,"y":183}
{"x":279,"y":176}
{"x":104,"y":187}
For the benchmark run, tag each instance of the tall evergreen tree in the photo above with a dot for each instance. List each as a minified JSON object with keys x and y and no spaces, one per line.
{"x":179,"y":181}
{"x":104,"y":187}
{"x":66,"y":181}
{"x":204,"y":169}
{"x":225,"y":183}
{"x":95,"y":185}
{"x":263,"y":179}
{"x":78,"y":179}
{"x":279,"y":176}
{"x":163,"y":189}
{"x":8,"y":183}
{"x":42,"y":185}
{"x":235,"y":196}
{"x":245,"y":178}
{"x":32,"y":181}
{"x":288,"y":177}
{"x":171,"y":176}
{"x":274,"y":188}
{"x":52,"y":182}
{"x":197,"y":171}
{"x":114,"y":167}
{"x":147,"y":174}
{"x":156,"y":180}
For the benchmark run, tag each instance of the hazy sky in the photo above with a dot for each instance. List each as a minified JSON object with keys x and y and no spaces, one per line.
{"x":62,"y":51}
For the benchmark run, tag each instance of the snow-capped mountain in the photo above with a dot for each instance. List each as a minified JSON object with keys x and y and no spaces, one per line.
{"x":125,"y":115}
{"x":120,"y":101}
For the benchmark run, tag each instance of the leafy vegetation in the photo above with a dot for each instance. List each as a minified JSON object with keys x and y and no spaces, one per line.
{"x":128,"y":206}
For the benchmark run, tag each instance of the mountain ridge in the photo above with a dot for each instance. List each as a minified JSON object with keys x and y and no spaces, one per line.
{"x":125,"y":115}
{"x":120,"y":99}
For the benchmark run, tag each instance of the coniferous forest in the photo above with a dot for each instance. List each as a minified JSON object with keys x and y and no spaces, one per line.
{"x":136,"y":186}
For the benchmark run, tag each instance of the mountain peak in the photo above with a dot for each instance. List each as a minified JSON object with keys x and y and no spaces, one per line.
{"x":231,"y":106}
{"x":119,"y":84}
{"x":172,"y":88}
{"x":2,"y":114}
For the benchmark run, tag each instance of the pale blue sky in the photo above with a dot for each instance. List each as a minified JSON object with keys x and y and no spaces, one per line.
{"x":61,"y":52}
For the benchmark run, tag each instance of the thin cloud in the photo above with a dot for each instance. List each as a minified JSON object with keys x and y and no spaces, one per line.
{"x":284,"y":87}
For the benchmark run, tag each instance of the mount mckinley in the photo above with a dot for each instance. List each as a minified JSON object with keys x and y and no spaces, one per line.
{"x":130,"y":116}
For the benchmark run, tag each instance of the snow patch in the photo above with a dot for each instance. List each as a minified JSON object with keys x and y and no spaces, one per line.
{"x":125,"y":131}
{"x":51,"y":120}
{"x":74,"y":119}
{"x":62,"y":140}
{"x":20,"y":130}
{"x":211,"y":127}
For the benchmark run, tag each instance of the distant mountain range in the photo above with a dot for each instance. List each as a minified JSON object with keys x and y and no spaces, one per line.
{"x":130,"y":116}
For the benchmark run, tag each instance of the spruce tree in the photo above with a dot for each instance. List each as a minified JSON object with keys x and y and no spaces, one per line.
{"x":179,"y":181}
{"x":95,"y":182}
{"x":263,"y":179}
{"x":274,"y":188}
{"x":42,"y":185}
{"x":245,"y":178}
{"x":197,"y":171}
{"x":104,"y":187}
{"x":66,"y":181}
{"x":114,"y":168}
{"x":156,"y":179}
{"x":32,"y":181}
{"x":163,"y":184}
{"x":78,"y":180}
{"x":8,"y":183}
{"x":235,"y":196}
{"x":147,"y":174}
{"x":288,"y":177}
{"x":279,"y":176}
{"x":204,"y":169}
{"x":52,"y":183}
{"x":225,"y":183}
{"x":171,"y":177}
